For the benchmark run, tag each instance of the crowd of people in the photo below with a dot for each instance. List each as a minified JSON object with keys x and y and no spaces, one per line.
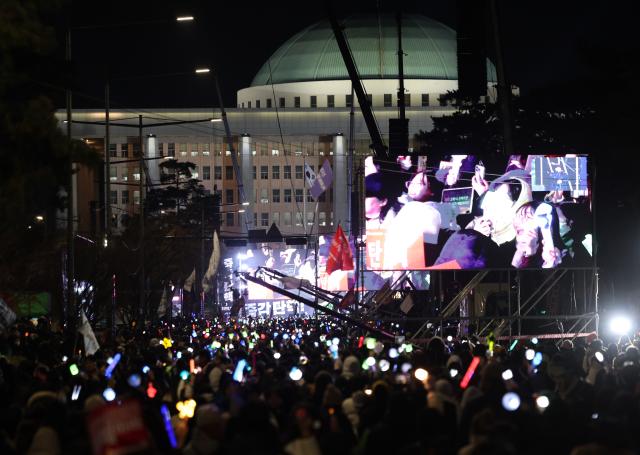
{"x":312,"y":386}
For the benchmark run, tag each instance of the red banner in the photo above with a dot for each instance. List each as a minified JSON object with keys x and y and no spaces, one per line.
{"x":340,"y":257}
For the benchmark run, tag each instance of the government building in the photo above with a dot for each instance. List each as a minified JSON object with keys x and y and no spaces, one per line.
{"x":297,"y":111}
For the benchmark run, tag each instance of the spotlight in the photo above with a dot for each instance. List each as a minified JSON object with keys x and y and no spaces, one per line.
{"x":620,"y":325}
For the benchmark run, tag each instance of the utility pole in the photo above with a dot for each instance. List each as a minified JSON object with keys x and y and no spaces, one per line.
{"x":141,"y":248}
{"x":71,"y":307}
{"x":504,"y":88}
{"x":107,"y":158}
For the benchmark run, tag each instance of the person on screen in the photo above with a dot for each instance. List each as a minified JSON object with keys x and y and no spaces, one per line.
{"x":537,"y":236}
{"x":380,"y":202}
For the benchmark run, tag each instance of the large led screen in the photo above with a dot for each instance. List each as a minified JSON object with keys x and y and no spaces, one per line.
{"x":471,"y":212}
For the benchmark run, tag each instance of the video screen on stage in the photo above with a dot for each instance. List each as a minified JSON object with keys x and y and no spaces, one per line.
{"x":466,"y":212}
{"x":299,"y":262}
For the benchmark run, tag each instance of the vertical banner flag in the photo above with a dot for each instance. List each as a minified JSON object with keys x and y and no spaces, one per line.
{"x":214,"y":261}
{"x":340,"y":257}
{"x":91,"y":345}
{"x":322,"y":181}
{"x":188,"y":283}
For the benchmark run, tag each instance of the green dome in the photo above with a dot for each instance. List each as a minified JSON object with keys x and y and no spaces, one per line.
{"x":313,"y":54}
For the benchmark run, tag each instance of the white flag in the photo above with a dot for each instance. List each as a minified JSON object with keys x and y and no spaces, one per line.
{"x":309,"y":175}
{"x":188,"y":283}
{"x":214,"y":261}
{"x":406,"y":304}
{"x":162,"y":306}
{"x":91,"y":345}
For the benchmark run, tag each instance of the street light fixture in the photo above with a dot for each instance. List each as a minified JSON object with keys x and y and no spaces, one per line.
{"x":202,"y":70}
{"x":184,"y":18}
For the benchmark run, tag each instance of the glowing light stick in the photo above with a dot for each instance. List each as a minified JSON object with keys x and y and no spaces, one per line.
{"x":192,"y":365}
{"x":513,"y":345}
{"x":151,"y":390}
{"x":167,"y":426}
{"x":470,"y":371}
{"x":112,"y":366}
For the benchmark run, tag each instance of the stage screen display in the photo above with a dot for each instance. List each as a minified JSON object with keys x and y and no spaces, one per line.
{"x":293,"y":261}
{"x":466,"y":212}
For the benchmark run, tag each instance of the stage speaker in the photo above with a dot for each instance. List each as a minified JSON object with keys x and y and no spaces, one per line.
{"x":472,"y":49}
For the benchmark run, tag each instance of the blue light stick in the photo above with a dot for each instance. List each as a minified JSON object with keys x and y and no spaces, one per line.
{"x":109,"y":371}
{"x":167,"y":425}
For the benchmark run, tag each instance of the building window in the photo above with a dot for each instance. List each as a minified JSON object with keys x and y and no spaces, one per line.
{"x":249,"y":104}
{"x":287,"y":195}
{"x":298,"y":219}
{"x":269,"y":103}
{"x":125,"y":196}
{"x":136,"y":197}
{"x":275,"y":218}
{"x":264,"y":219}
{"x":425,"y":99}
{"x":309,"y":197}
{"x":442,"y":101}
{"x":348,"y":100}
{"x":255,"y":173}
{"x":124,"y":150}
{"x":113,"y":199}
{"x":313,"y":101}
{"x":136,"y":149}
{"x":331,"y":101}
{"x":113,"y":150}
{"x":322,"y":219}
{"x":183,"y":149}
{"x":257,"y":104}
{"x":264,"y":172}
{"x":263,"y":151}
{"x":276,"y":196}
{"x":194,"y":149}
{"x":228,"y":172}
{"x":264,"y":196}
{"x":228,"y":196}
{"x":217,"y":172}
{"x":205,"y":149}
{"x":407,"y":99}
{"x":229,"y":219}
{"x":136,"y":176}
{"x":206,"y":172}
{"x":113,"y":173}
{"x":124,"y":174}
{"x":387,"y":100}
{"x":299,"y":195}
{"x":287,"y":172}
{"x":160,"y":149}
{"x":171,"y":149}
{"x":299,"y":173}
{"x":255,"y":219}
{"x":275,"y":172}
{"x":275,"y":152}
{"x":296,"y":101}
{"x":281,"y":102}
{"x":194,"y":173}
{"x":310,"y":218}
{"x":286,"y":218}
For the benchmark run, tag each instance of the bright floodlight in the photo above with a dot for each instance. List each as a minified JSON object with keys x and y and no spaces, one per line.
{"x":214,"y":120}
{"x":184,"y":18}
{"x":245,"y":203}
{"x":620,"y":325}
{"x":510,"y":401}
{"x":202,"y":70}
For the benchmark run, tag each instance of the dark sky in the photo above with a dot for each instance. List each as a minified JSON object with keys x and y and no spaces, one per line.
{"x":540,"y":42}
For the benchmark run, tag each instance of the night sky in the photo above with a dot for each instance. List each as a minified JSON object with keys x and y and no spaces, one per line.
{"x":541,"y":40}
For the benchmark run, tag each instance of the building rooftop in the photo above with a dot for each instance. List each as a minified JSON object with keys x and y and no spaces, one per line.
{"x":313,"y":53}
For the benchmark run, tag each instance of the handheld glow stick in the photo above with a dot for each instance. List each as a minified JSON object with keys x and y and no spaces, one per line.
{"x":112,"y":366}
{"x":167,"y":426}
{"x":470,"y":371}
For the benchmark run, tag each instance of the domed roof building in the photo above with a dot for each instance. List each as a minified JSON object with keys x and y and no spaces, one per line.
{"x":296,"y":112}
